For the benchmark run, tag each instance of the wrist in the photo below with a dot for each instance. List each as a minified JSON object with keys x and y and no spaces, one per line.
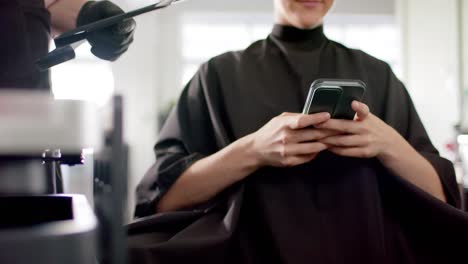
{"x":64,"y":15}
{"x":81,"y":18}
{"x":246,"y":150}
{"x":394,"y":149}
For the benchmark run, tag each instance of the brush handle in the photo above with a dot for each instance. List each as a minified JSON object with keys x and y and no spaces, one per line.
{"x":81,"y":33}
{"x":59,"y":55}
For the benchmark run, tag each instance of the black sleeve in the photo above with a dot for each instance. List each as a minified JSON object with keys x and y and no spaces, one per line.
{"x":188,"y":135}
{"x":401,"y":114}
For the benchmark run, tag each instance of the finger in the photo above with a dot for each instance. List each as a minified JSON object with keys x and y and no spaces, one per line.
{"x":288,"y":114}
{"x":298,"y":160}
{"x":125,"y":27}
{"x":303,"y":149}
{"x":108,"y":9}
{"x":312,"y":134}
{"x":107,"y":54}
{"x":344,"y":126}
{"x":362,"y":110}
{"x":302,"y":121}
{"x":124,"y":39}
{"x":356,"y":152}
{"x":346,"y":141}
{"x":104,"y":38}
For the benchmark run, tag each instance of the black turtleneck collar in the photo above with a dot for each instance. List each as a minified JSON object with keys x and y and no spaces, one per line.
{"x":306,"y":38}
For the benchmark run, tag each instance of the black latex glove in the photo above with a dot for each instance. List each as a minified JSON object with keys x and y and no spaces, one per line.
{"x":109,"y":43}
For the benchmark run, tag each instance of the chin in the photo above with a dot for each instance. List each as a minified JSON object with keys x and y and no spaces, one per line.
{"x":307,"y":22}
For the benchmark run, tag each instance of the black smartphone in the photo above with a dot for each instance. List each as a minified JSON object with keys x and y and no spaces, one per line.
{"x":334,"y":96}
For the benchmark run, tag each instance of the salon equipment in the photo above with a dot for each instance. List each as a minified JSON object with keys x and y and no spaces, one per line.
{"x":65,"y":52}
{"x":47,"y":229}
{"x":40,"y":133}
{"x":36,"y":129}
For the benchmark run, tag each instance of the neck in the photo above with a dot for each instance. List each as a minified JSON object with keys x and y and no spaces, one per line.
{"x":282,"y":20}
{"x":300,"y":38}
{"x":299,"y":26}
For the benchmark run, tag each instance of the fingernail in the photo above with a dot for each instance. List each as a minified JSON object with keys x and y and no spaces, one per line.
{"x":326,"y":115}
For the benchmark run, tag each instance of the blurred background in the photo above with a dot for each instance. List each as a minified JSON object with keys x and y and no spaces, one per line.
{"x":421,"y":39}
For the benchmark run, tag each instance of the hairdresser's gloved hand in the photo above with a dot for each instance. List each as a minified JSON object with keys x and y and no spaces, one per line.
{"x":109,"y":43}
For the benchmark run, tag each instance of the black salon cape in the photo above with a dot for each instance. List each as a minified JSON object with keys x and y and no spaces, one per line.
{"x":331,"y":210}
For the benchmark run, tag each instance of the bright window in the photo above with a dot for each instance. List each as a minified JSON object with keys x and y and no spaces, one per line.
{"x":378,"y":36}
{"x":85,"y":78}
{"x":207,"y":35}
{"x":210,"y":34}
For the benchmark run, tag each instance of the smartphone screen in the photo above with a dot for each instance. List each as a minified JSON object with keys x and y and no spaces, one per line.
{"x":334,"y":96}
{"x":325,"y":99}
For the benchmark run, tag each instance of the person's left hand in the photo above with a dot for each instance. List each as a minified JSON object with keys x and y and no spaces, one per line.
{"x":367,"y":136}
{"x":111,"y":42}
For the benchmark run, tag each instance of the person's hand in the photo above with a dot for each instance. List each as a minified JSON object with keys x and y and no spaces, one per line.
{"x":367,"y":136}
{"x":111,"y":42}
{"x":290,"y":140}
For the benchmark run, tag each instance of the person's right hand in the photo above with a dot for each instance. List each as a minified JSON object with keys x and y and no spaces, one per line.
{"x":290,"y":139}
{"x":111,"y":42}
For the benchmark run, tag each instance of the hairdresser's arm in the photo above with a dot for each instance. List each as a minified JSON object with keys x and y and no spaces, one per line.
{"x":64,"y":13}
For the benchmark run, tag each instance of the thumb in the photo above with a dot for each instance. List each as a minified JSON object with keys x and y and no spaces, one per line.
{"x":362,"y":110}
